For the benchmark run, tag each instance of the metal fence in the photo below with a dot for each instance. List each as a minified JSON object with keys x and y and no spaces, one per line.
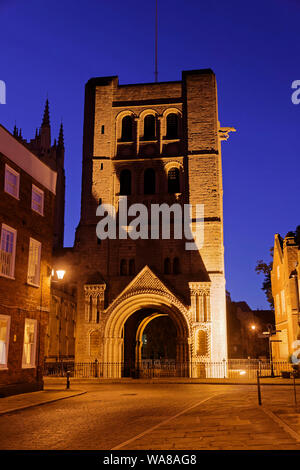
{"x":232,"y":369}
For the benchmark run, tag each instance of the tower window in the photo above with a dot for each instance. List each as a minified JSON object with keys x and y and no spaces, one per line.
{"x":102,"y":129}
{"x":173,"y":181}
{"x":127,"y":129}
{"x":167,"y":266}
{"x":123,"y":267}
{"x":149,"y":127}
{"x":202,"y":349}
{"x":176,"y":266}
{"x":172,"y":126}
{"x":125,"y":183}
{"x":149,"y":181}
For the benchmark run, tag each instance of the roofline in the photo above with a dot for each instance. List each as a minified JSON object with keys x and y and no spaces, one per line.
{"x":102,"y":81}
{"x":21,"y":156}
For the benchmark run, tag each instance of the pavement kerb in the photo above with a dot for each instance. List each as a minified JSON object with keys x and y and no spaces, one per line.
{"x":45,"y":402}
{"x":97,"y":381}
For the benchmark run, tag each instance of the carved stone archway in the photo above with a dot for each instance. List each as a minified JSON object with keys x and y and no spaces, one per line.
{"x":146,"y":291}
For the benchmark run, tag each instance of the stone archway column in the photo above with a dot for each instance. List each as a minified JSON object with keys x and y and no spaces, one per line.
{"x":113,"y":351}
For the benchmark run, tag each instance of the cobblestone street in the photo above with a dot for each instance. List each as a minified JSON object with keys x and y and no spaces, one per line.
{"x":158,"y":416}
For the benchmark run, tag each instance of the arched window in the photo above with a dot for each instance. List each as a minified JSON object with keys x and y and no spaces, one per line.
{"x":149,"y":127}
{"x":123,"y":267}
{"x":172,"y":126}
{"x":98,"y":309}
{"x":125,"y":183}
{"x":202,"y":349}
{"x":131,"y":266}
{"x":91,"y":309}
{"x":149,"y":181}
{"x":173,"y":181}
{"x":127,"y":129}
{"x":167,"y":266}
{"x":176,"y":266}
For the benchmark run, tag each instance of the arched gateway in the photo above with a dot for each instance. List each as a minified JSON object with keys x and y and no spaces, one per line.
{"x":147,"y":299}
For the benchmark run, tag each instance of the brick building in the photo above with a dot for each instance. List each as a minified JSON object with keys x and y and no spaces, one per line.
{"x":27,"y":202}
{"x":286,"y":294}
{"x":60,"y":334}
{"x":152,"y":143}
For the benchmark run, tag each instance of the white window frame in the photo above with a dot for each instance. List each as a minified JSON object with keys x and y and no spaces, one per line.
{"x":36,"y":243}
{"x":7,"y":319}
{"x":41,"y":193}
{"x":12,"y":267}
{"x":32,"y":364}
{"x":8,"y":169}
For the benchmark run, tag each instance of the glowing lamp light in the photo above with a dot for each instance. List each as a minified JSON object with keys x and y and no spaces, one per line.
{"x":242,"y":372}
{"x":253,"y":327}
{"x":60,"y":274}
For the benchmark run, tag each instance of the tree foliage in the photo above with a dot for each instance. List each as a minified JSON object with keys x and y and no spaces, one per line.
{"x":265,"y":268}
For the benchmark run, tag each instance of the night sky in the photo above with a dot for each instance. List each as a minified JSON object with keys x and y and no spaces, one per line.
{"x":52,"y":48}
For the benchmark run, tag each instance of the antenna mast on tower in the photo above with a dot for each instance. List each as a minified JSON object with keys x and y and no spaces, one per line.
{"x":156,"y":71}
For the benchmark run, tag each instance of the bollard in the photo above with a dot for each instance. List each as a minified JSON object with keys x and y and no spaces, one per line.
{"x":258,"y":389}
{"x":68,"y":379}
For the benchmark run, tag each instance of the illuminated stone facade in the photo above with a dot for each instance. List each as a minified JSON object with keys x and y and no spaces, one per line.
{"x":154,"y":143}
{"x":286,"y":294}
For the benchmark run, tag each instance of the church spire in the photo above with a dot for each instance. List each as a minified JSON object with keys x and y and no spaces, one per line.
{"x":45,"y":129}
{"x":15,"y":133}
{"x":46,"y":117}
{"x":61,"y":137}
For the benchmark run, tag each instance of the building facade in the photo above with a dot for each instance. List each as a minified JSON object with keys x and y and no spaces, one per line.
{"x":27,"y":203}
{"x":150,"y":144}
{"x":285,"y":291}
{"x":245,"y":329}
{"x":60,"y":333}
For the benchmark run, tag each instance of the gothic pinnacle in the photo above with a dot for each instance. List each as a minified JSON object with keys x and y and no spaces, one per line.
{"x":46,"y":117}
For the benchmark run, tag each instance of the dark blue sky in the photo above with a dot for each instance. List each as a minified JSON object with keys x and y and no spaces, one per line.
{"x":54,"y":47}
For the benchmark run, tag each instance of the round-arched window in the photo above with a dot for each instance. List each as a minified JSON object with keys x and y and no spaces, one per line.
{"x":173,"y":181}
{"x":172,"y":126}
{"x":127,"y":128}
{"x":149,"y":127}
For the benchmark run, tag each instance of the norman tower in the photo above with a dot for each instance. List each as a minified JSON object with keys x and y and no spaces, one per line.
{"x":153,"y":143}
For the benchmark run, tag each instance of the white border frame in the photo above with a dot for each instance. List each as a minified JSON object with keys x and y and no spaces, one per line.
{"x":8,"y":318}
{"x":33,"y":365}
{"x":40,"y":256}
{"x":7,"y":227}
{"x":11,"y":170}
{"x":41,"y":192}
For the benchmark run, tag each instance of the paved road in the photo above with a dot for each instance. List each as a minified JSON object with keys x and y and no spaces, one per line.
{"x":150,"y":416}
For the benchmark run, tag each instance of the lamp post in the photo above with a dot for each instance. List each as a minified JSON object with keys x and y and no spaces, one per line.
{"x":60,"y":275}
{"x":268,"y":334}
{"x":252,"y":348}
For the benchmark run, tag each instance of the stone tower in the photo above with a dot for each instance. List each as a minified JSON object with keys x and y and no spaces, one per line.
{"x":152,"y":143}
{"x":53,"y":156}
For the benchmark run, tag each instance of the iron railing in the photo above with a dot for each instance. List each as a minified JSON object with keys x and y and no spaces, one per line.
{"x":232,"y":369}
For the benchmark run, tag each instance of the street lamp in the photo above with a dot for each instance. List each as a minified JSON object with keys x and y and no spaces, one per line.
{"x":253,"y":327}
{"x":60,"y":273}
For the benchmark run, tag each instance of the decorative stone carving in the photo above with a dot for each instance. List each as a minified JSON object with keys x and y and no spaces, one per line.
{"x":94,"y":302}
{"x":200,"y":301}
